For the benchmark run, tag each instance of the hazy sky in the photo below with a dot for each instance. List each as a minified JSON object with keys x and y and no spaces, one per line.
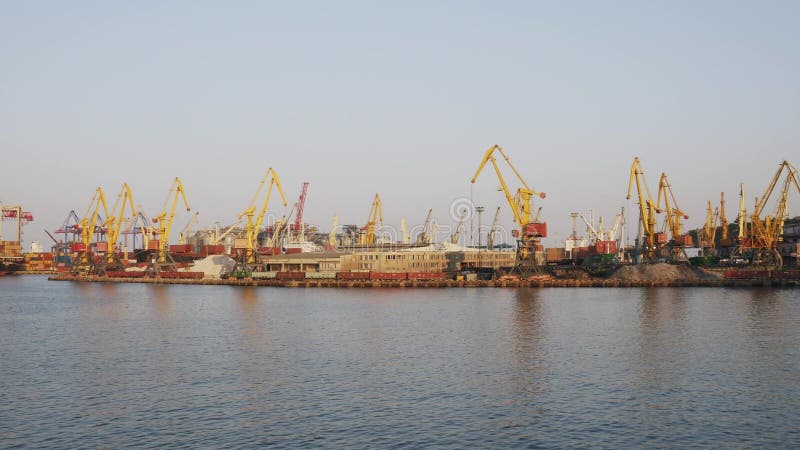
{"x":400,"y":98}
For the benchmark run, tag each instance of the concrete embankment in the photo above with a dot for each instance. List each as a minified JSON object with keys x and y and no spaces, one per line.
{"x":607,"y":283}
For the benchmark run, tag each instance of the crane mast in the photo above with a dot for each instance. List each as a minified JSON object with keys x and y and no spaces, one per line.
{"x":83,"y":262}
{"x":457,"y":232}
{"x":674,"y":215}
{"x":332,"y":234}
{"x":301,"y":203}
{"x":531,"y":229}
{"x":493,"y":230}
{"x":725,"y":239}
{"x":167,"y":216}
{"x":184,"y":234}
{"x":114,"y":224}
{"x":252,"y":226}
{"x":375,"y":216}
{"x":424,"y":237}
{"x":647,"y":210}
{"x":404,"y":229}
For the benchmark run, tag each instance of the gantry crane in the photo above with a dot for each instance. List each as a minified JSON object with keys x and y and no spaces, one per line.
{"x":647,"y":244}
{"x":375,"y":218}
{"x":531,"y":229}
{"x":114,"y":223}
{"x":762,"y":235}
{"x":493,"y":230}
{"x":83,"y":260}
{"x":252,"y":227}
{"x":674,"y":216}
{"x":167,"y":215}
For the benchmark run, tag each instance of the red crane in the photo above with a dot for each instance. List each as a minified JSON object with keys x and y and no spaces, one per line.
{"x":301,"y":203}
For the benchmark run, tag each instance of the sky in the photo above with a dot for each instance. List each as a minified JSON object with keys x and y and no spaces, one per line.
{"x":396,"y":98}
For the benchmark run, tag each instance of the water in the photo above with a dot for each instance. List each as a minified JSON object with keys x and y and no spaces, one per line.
{"x":129,"y":365}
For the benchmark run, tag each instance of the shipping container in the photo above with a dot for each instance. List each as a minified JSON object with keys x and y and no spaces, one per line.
{"x":683,"y":241}
{"x":555,"y":254}
{"x":180,"y":248}
{"x":538,"y":229}
{"x":101,"y":247}
{"x":605,"y":247}
{"x":212,"y":250}
{"x":240,"y":243}
{"x":388,"y":276}
{"x":153,"y":244}
{"x":320,"y":275}
{"x":264,"y":275}
{"x":291,"y":276}
{"x":661,"y":238}
{"x":426,"y":275}
{"x":291,"y":250}
{"x":352,"y":275}
{"x":78,"y":247}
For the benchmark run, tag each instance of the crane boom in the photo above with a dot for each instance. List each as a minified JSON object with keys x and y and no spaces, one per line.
{"x":114,"y":224}
{"x":167,"y":216}
{"x":184,"y":234}
{"x":332,"y":234}
{"x":424,"y":237}
{"x":493,"y":230}
{"x":531,"y":229}
{"x":253,"y":227}
{"x":301,"y":203}
{"x":647,"y":209}
{"x":375,"y":216}
{"x":673,"y":217}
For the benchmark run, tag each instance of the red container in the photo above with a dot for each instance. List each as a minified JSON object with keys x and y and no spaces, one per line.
{"x":661,"y":238}
{"x":606,"y":247}
{"x":352,"y":275}
{"x":212,"y":250}
{"x":536,"y":229}
{"x":101,"y":247}
{"x":181,"y":248}
{"x":291,"y":275}
{"x":388,"y":276}
{"x":684,"y":241}
{"x":294,"y":250}
{"x":427,"y":275}
{"x":269,"y":251}
{"x":152,"y":245}
{"x":78,"y":247}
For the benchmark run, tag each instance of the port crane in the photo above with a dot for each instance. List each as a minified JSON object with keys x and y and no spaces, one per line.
{"x":674,"y":216}
{"x":167,"y":215}
{"x":763,"y":234}
{"x":84,"y":259}
{"x":709,"y":232}
{"x":493,"y":230}
{"x":114,"y":223}
{"x":184,"y":234}
{"x":459,"y":227}
{"x":648,"y":238}
{"x":424,"y":237}
{"x":725,"y":240}
{"x":297,"y":226}
{"x":332,"y":234}
{"x":375,"y":217}
{"x":252,"y":226}
{"x":531,"y":228}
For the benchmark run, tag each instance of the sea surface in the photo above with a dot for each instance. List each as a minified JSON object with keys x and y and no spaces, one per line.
{"x":133,"y":365}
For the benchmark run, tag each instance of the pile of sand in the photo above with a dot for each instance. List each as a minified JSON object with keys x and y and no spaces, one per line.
{"x":213,"y":266}
{"x":660,"y":271}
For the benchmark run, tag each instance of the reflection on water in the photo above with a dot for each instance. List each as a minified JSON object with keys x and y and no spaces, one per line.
{"x":88,"y":365}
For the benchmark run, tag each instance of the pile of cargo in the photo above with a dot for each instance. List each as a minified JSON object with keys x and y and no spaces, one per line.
{"x":38,"y":262}
{"x":10,"y":249}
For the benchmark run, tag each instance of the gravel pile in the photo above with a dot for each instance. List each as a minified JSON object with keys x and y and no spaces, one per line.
{"x":213,"y":266}
{"x":660,"y":271}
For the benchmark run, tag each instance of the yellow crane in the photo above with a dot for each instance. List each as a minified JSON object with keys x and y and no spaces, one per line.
{"x":252,"y":227}
{"x":724,"y":240}
{"x":217,"y":238}
{"x":531,"y":229}
{"x":167,"y":215}
{"x":459,"y":226}
{"x":709,"y":233}
{"x":83,"y":261}
{"x":674,"y":216}
{"x":114,"y":223}
{"x":332,"y":234}
{"x":184,"y":234}
{"x":763,"y":234}
{"x":375,"y":217}
{"x":424,"y":236}
{"x":647,"y":212}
